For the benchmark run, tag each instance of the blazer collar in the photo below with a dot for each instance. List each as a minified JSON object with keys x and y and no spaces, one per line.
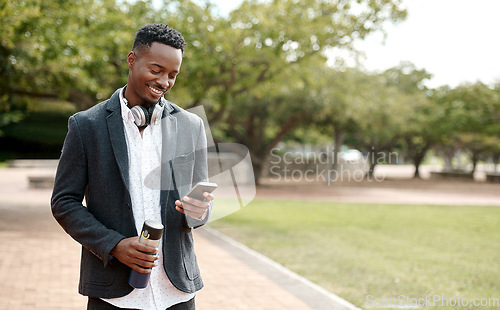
{"x":117,"y":135}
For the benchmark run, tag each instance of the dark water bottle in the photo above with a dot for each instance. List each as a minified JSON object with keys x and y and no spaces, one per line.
{"x":151,"y":235}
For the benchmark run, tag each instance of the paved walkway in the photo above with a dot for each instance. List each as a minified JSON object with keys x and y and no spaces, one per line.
{"x":39,"y":263}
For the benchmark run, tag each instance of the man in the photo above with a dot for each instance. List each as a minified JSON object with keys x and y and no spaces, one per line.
{"x":132,"y":157}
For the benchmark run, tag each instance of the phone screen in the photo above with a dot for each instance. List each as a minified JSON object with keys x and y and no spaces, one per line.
{"x":197,"y":191}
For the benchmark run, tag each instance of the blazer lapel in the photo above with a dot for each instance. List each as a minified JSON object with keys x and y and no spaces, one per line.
{"x":169,"y":143}
{"x":117,"y":136}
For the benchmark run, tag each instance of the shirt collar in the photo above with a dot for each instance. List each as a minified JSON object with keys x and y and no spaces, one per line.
{"x":126,"y":113}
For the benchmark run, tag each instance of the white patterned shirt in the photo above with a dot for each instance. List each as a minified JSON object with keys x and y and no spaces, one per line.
{"x":144,"y":153}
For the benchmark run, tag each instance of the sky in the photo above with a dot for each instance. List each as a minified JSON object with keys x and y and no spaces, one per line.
{"x":454,"y":40}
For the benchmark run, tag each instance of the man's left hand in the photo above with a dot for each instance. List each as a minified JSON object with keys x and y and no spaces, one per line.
{"x":194,"y":208}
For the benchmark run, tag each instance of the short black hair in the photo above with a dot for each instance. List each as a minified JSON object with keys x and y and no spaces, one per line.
{"x":160,"y":33}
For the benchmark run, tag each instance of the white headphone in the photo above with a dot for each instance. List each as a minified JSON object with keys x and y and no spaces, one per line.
{"x":144,"y":117}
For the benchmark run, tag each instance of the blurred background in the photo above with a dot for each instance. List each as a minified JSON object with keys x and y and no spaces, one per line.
{"x":412,"y":77}
{"x":325,"y":95}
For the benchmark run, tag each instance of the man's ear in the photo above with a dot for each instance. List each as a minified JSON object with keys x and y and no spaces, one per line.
{"x":131,"y":58}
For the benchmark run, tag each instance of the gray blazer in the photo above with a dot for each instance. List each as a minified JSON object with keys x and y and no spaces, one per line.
{"x":94,"y":165}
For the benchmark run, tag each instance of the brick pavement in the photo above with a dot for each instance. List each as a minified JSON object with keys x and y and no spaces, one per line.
{"x":39,"y":263}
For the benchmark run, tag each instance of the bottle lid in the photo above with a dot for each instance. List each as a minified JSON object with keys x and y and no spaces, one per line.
{"x":152,"y":230}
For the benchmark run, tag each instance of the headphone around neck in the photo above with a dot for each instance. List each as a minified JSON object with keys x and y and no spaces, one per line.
{"x":143,"y":117}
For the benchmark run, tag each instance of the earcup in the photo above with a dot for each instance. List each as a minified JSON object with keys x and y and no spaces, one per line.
{"x":157,"y":113}
{"x":144,"y":117}
{"x":141,"y":115}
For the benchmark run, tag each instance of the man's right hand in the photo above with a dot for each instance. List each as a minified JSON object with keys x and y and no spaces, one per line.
{"x":135,"y":255}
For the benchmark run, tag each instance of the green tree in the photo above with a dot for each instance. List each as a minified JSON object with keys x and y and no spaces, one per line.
{"x":71,"y":50}
{"x":473,"y":113}
{"x":338,"y":104}
{"x":261,"y":56}
{"x":418,"y":134}
{"x":381,"y":119}
{"x":244,"y":64}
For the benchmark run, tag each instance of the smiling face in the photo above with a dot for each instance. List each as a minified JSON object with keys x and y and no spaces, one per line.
{"x":152,"y":72}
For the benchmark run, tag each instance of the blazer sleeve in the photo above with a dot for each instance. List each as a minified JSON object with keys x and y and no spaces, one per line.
{"x":69,"y":190}
{"x":200,"y":171}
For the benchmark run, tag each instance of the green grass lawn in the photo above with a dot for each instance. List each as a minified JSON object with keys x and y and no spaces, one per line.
{"x":383,"y":251}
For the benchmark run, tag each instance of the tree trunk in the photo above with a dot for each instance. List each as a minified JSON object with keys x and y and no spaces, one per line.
{"x":338,"y":142}
{"x":418,"y":156}
{"x":373,"y":159}
{"x":260,"y":157}
{"x":417,"y":163}
{"x":447,"y":152}
{"x":371,"y":171}
{"x":257,"y":171}
{"x":475,"y":159}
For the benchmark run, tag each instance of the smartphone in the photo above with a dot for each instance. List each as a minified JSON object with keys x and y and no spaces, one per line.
{"x":201,"y":187}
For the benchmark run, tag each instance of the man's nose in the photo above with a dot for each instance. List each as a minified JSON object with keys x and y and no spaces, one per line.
{"x":163,"y":81}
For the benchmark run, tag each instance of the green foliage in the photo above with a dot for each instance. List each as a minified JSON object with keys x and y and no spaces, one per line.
{"x":39,"y":135}
{"x":252,"y":70}
{"x":470,"y":115}
{"x":73,"y":50}
{"x":43,"y":128}
{"x":418,"y":132}
{"x":260,"y":72}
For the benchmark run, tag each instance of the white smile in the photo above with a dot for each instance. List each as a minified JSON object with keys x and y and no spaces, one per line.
{"x":155,"y":90}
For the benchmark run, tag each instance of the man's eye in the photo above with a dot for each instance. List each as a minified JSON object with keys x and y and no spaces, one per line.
{"x":154,"y":72}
